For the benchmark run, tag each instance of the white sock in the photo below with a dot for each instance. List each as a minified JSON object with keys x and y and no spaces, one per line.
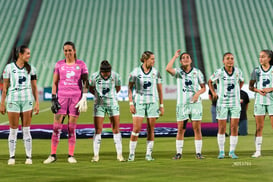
{"x":118,"y":143}
{"x":132,"y":146}
{"x":198,"y":146}
{"x":221,"y":138}
{"x":96,"y":144}
{"x":12,"y":141}
{"x":27,"y":141}
{"x":258,"y":143}
{"x":150,"y":146}
{"x":179,"y":146}
{"x":233,"y":142}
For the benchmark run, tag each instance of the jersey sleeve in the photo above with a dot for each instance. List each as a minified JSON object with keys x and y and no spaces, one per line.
{"x":176,"y":74}
{"x":84,"y":68}
{"x":6,"y":73}
{"x":241,"y":78}
{"x":201,"y":79}
{"x":56,"y":68}
{"x":215,"y":76}
{"x":117,"y":80}
{"x":159,"y":78}
{"x":132,"y":77}
{"x":33,"y":71}
{"x":254,"y":74}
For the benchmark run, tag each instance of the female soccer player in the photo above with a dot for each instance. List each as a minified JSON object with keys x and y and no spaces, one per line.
{"x":229,"y":80}
{"x":145,"y":80}
{"x":105,"y":85}
{"x":262,"y":83}
{"x":20,"y":84}
{"x":71,"y":80}
{"x":190,"y":84}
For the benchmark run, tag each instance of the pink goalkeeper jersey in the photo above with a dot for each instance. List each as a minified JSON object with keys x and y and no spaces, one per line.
{"x":70,"y":84}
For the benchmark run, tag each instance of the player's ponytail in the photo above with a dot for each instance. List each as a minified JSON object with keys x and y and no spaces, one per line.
{"x":73,"y":46}
{"x":21,"y":50}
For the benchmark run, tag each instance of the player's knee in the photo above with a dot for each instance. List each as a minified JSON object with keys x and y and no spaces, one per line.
{"x":57,"y":127}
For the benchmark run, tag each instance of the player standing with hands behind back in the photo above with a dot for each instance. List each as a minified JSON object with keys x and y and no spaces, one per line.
{"x":229,"y":80}
{"x":20,"y":83}
{"x":70,"y":79}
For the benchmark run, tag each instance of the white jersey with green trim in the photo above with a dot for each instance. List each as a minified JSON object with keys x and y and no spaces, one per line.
{"x":228,"y":86}
{"x":19,"y":82}
{"x":188,"y":84}
{"x":105,"y":89}
{"x":264,"y":79}
{"x":145,"y":85}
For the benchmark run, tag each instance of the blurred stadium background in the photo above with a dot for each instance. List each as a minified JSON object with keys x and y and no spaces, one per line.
{"x":121,"y":30}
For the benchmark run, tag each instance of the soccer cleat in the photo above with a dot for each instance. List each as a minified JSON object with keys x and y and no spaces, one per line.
{"x":120,"y":158}
{"x":28,"y":161}
{"x":71,"y":160}
{"x":232,"y":155}
{"x":149,"y":158}
{"x":199,"y":156}
{"x":221,"y":155}
{"x":95,"y":158}
{"x":50,"y":159}
{"x":256,"y":155}
{"x":177,"y":156}
{"x":131,"y":158}
{"x":11,"y":161}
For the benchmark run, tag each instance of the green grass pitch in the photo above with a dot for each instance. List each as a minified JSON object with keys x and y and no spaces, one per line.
{"x":162,"y":169}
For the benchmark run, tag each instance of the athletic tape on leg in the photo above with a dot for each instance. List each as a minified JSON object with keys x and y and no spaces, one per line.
{"x":135,"y":134}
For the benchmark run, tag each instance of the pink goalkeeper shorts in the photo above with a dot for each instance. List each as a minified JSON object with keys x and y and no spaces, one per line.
{"x":68,"y":106}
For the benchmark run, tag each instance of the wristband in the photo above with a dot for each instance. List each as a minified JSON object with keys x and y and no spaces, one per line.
{"x":131,"y":103}
{"x":161,"y":105}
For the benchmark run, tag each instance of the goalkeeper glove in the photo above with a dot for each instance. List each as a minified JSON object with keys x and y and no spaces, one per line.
{"x":55,"y":104}
{"x":82,"y":104}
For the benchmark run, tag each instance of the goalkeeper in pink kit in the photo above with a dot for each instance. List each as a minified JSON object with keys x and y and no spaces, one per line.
{"x":69,"y":93}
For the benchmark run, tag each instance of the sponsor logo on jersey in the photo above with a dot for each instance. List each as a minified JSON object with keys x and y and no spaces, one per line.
{"x":147,"y":84}
{"x":266,"y":82}
{"x":230,"y":87}
{"x":69,"y":74}
{"x":22,"y":79}
{"x":105,"y":90}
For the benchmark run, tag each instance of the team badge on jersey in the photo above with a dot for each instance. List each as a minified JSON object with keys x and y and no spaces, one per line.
{"x":77,"y":67}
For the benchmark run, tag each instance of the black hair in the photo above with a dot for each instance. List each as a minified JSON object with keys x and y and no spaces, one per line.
{"x":270,"y":55}
{"x":146,"y":55}
{"x":73,"y":46}
{"x":21,"y":50}
{"x":226,"y":54}
{"x":105,"y":66}
{"x":183,"y":54}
